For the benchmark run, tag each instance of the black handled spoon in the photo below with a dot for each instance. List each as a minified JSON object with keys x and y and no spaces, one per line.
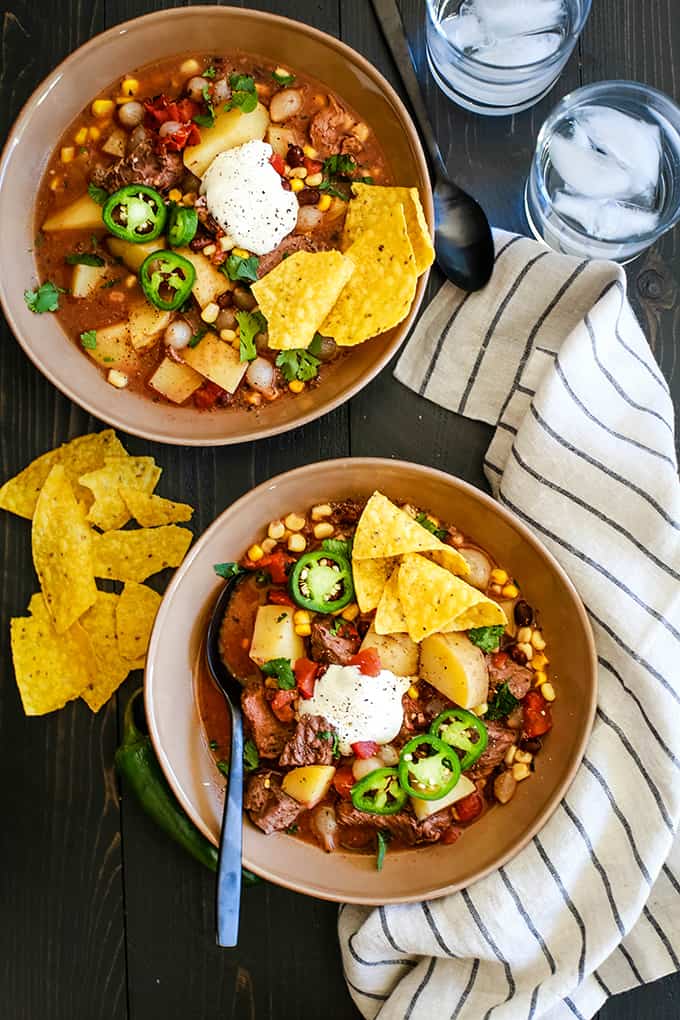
{"x":463,"y":240}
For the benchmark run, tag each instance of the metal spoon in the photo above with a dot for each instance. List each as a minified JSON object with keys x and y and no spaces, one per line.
{"x":231,"y":837}
{"x":463,"y":240}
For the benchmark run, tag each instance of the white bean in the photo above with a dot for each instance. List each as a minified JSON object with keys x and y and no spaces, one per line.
{"x":260,"y":374}
{"x":195,"y":88}
{"x":363,"y":766}
{"x":325,"y":826}
{"x":169,"y":128}
{"x":309,"y":218}
{"x":389,"y":755}
{"x":131,"y":114}
{"x":178,"y":334}
{"x":285,"y":104}
{"x":221,"y":90}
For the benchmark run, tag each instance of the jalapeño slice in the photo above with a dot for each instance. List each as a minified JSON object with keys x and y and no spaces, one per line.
{"x":166,"y":279}
{"x":182,"y":225}
{"x":322,"y":581}
{"x":464,"y":731}
{"x":135,"y":213}
{"x":428,"y":768}
{"x":379,"y":792}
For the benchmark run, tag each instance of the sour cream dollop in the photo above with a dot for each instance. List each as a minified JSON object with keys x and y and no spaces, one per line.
{"x":244,"y":194}
{"x":359,"y":707}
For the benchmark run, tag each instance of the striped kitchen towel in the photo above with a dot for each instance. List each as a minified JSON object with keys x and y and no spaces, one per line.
{"x":551,"y":354}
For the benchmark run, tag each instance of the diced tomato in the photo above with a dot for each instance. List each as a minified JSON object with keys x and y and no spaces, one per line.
{"x":279,"y":163}
{"x":208,"y":395}
{"x":281,"y":705}
{"x":451,"y":834}
{"x":280,"y":598}
{"x":305,"y":676}
{"x":537,"y":714}
{"x":161,"y":109}
{"x":276,"y":563}
{"x":312,"y":166}
{"x":365,"y":748}
{"x":499,"y":659}
{"x":469,"y":807}
{"x":368,"y":661}
{"x":343,"y":781}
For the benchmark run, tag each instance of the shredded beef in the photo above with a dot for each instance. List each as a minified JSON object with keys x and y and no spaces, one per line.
{"x":518,"y":678}
{"x":289,"y":245}
{"x":500,"y":739}
{"x":402,"y":825}
{"x":269,"y":807}
{"x":328,"y":128}
{"x":142,"y":165}
{"x":332,"y":648}
{"x":347,"y":511}
{"x":270,"y":735}
{"x":307,"y":746}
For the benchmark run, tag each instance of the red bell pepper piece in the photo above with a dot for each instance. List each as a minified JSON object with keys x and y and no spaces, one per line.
{"x":275,"y":563}
{"x":451,"y":834}
{"x":343,"y":781}
{"x":280,"y":598}
{"x":368,"y":661}
{"x":537,"y":714}
{"x":278,"y":163}
{"x":305,"y":676}
{"x":312,"y":166}
{"x":208,"y":395}
{"x":281,"y":705}
{"x":499,"y":659}
{"x":365,"y":748}
{"x":470,"y":807}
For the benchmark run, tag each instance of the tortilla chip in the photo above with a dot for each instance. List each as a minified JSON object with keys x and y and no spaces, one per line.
{"x":370,"y":578}
{"x":298,"y":294}
{"x":436,"y":601}
{"x":135,"y":613}
{"x":369,"y":201}
{"x":99,"y":623}
{"x":62,"y":551}
{"x":136,"y":555}
{"x":86,"y":453}
{"x":485,"y":614}
{"x":449,"y":558}
{"x":152,"y":511}
{"x":390,"y":618}
{"x":384,"y":530}
{"x":109,"y":511}
{"x":50,"y":669}
{"x":381,"y":289}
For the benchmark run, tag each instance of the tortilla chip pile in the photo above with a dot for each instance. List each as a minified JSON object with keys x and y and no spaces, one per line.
{"x":361,"y":293}
{"x":412,"y":579}
{"x":79,"y":641}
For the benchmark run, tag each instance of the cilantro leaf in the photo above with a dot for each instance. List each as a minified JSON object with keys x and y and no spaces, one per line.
{"x":331,"y":736}
{"x":84,"y":259}
{"x":251,"y":757}
{"x":209,"y":72}
{"x":227,"y":570}
{"x":223,"y":766}
{"x":502,"y":704}
{"x":250,"y":324}
{"x":242,"y":82}
{"x":282,"y":77}
{"x":213,"y":745}
{"x":44,"y":299}
{"x":89,"y":339}
{"x":339,"y":164}
{"x":111,"y":283}
{"x":298,"y":364}
{"x":238,"y":268}
{"x":333,"y":191}
{"x":243,"y":95}
{"x":338,"y":547}
{"x":383,"y":839}
{"x":206,"y":119}
{"x":430,"y":526}
{"x":197,"y":336}
{"x":283,"y":671}
{"x":99,"y":195}
{"x":486,"y":638}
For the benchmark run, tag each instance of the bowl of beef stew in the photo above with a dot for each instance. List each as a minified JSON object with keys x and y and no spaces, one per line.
{"x":418,"y":680}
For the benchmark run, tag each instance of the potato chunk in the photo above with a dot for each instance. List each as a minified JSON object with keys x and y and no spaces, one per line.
{"x":133,"y":254}
{"x":398,"y":652}
{"x":83,"y":214}
{"x":229,"y":130}
{"x":114,"y":350}
{"x":274,"y":636}
{"x":174,"y":381}
{"x":424,"y":808}
{"x":209,"y":282}
{"x":456,"y":667}
{"x":309,"y":784}
{"x":146,"y":325}
{"x":85,"y":280}
{"x":218,"y":361}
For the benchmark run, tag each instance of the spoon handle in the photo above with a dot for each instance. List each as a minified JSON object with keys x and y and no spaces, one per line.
{"x":392,"y":27}
{"x":231,"y":842}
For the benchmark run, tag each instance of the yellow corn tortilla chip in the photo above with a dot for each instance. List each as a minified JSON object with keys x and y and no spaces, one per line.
{"x":381,"y":289}
{"x":390,"y":618}
{"x":449,"y":558}
{"x":385,"y":530}
{"x":50,"y":669}
{"x":99,"y":623}
{"x":370,"y":578}
{"x":298,"y":294}
{"x":368,"y":202}
{"x":136,"y":555}
{"x":86,"y":453}
{"x":152,"y":511}
{"x":135,"y":613}
{"x":485,"y":614}
{"x":433,"y":599}
{"x":62,"y":551}
{"x":109,"y":511}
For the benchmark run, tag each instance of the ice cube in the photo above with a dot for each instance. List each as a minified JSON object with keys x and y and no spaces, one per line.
{"x":590,"y":173}
{"x":635,"y":143}
{"x":606,"y":220}
{"x":506,"y":18}
{"x":465,"y":31}
{"x":524,"y":50}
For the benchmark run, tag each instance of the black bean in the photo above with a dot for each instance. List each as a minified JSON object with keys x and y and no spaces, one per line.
{"x":518,"y":656}
{"x":224,"y":300}
{"x":295,"y":156}
{"x":308,"y":196}
{"x":244,"y":299}
{"x":532,"y":746}
{"x":524,"y":614}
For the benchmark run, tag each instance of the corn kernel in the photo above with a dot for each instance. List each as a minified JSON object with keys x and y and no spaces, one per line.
{"x":413,"y":692}
{"x":481,"y":709}
{"x":271,"y":682}
{"x":324,"y":203}
{"x":209,"y":250}
{"x":228,"y":335}
{"x":189,"y":198}
{"x":548,"y":692}
{"x":350,"y":612}
{"x":80,"y":136}
{"x":301,"y":616}
{"x":55,"y":183}
{"x":296,"y":184}
{"x":226,"y":243}
{"x":296,"y":386}
{"x":309,"y":151}
{"x":175,"y":195}
{"x":524,"y":757}
{"x":323,"y":530}
{"x":510,"y":754}
{"x":539,"y":661}
{"x":253,"y":398}
{"x":117,"y":379}
{"x":499,"y":576}
{"x":521,"y":772}
{"x":524,"y":635}
{"x":361,"y":131}
{"x":103,"y":107}
{"x":67,"y":154}
{"x":537,"y":641}
{"x":314,"y":180}
{"x":130,"y":86}
{"x":510,"y":591}
{"x":320,"y":511}
{"x":540,"y":677}
{"x":276,"y":530}
{"x":255,"y":553}
{"x":526,"y":649}
{"x":241,"y":253}
{"x":94,"y":134}
{"x":130,"y":281}
{"x":268,"y":545}
{"x":298,"y":171}
{"x":190,"y":66}
{"x":303,"y":630}
{"x":210,"y":312}
{"x":495,"y":589}
{"x":294,"y":522}
{"x":297,"y":543}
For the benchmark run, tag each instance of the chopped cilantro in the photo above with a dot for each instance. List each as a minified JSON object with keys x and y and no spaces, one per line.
{"x":197,"y":336}
{"x":227,"y":570}
{"x":339,"y":546}
{"x":84,"y":259}
{"x":238,"y":268}
{"x":333,"y":191}
{"x":242,"y":82}
{"x":339,"y":164}
{"x":251,"y":757}
{"x":108,"y":359}
{"x":44,"y":299}
{"x":223,"y":766}
{"x":292,"y":829}
{"x":430,"y":526}
{"x":111,"y":283}
{"x":243,"y":94}
{"x":383,"y":839}
{"x":328,"y":735}
{"x":502,"y":704}
{"x":206,"y":119}
{"x":282,"y":78}
{"x":99,"y":195}
{"x":281,"y":618}
{"x":249,"y":324}
{"x":210,"y":72}
{"x":486,"y":638}
{"x":89,"y":339}
{"x":282,"y":670}
{"x":298,"y":364}
{"x":213,"y":745}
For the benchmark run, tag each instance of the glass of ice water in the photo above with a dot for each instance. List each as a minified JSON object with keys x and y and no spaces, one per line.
{"x":501,"y":56}
{"x":605,"y":178}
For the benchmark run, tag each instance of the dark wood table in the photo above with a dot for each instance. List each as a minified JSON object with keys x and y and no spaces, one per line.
{"x":101,"y":918}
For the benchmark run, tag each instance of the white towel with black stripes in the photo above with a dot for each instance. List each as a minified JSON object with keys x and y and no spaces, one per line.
{"x":551,"y":354}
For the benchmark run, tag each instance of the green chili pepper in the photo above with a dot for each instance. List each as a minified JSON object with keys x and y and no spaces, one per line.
{"x":428,"y":768}
{"x":166,"y":279}
{"x":182,"y":225}
{"x":464,"y":731}
{"x":135,"y":213}
{"x":322,"y":581}
{"x":379,"y":792}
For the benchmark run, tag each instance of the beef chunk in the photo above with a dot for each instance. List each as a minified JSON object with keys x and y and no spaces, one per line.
{"x":270,"y":735}
{"x":269,"y":807}
{"x":289,"y":245}
{"x":402,"y":825}
{"x":500,"y":739}
{"x":518,"y":678}
{"x":142,"y":165}
{"x":307,"y":746}
{"x":434,"y":827}
{"x":421,"y":711}
{"x":333,"y":648}
{"x":347,"y":511}
{"x":329,"y":127}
